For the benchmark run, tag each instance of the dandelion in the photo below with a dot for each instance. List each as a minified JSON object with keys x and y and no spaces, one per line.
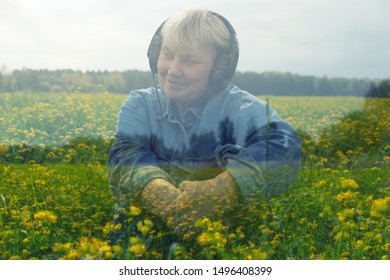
{"x":137,"y":249}
{"x":117,"y":249}
{"x":108,"y":256}
{"x":345,"y":256}
{"x":346,"y":196}
{"x":4,"y":148}
{"x":143,"y":227}
{"x":341,"y":235}
{"x":46,"y":216}
{"x":359,"y":243}
{"x":82,"y":146}
{"x":40,"y":182}
{"x":380,"y":207}
{"x":276,"y":241}
{"x":378,"y":238}
{"x":320,"y":184}
{"x":148,"y":222}
{"x":345,"y":214}
{"x":72,"y":256}
{"x":212,"y":239}
{"x":257,"y":254}
{"x":135,"y":211}
{"x":104,"y":249}
{"x":349,"y":183}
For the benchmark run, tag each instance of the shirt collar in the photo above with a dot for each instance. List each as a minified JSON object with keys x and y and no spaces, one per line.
{"x":167,"y":105}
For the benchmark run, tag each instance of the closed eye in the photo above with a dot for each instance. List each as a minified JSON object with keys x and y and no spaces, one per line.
{"x":191,"y":61}
{"x":166,"y":53}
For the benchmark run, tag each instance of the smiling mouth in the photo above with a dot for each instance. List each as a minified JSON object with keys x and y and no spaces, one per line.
{"x":176,"y":83}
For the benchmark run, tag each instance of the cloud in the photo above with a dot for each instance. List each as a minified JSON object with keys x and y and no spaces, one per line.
{"x":334,"y":38}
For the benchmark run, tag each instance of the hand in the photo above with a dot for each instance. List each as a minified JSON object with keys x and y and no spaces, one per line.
{"x":210,"y":198}
{"x":157,"y":195}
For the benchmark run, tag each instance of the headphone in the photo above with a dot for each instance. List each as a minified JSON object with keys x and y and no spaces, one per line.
{"x":225,"y":64}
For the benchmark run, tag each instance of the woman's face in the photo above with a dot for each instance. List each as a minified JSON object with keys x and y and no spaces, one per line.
{"x":184,"y":72}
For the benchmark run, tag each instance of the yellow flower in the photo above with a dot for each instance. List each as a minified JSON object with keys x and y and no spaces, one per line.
{"x":348,"y":196}
{"x":108,"y":256}
{"x":320,"y":183}
{"x":105,"y":248}
{"x":46,"y":216}
{"x":359,"y":243}
{"x":148,"y":223}
{"x":344,"y":256}
{"x":257,"y":254}
{"x":134,"y":240}
{"x":138,"y":249}
{"x":347,"y":213}
{"x":117,"y":249}
{"x":378,"y":238}
{"x":142,"y":227}
{"x":40,"y":182}
{"x":349,"y":183}
{"x":341,"y":235}
{"x":135,"y":211}
{"x":380,"y":207}
{"x":73,"y":256}
{"x":4,"y":148}
{"x":83,"y":146}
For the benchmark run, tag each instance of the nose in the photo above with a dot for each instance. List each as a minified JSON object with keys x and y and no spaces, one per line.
{"x":174,"y":67}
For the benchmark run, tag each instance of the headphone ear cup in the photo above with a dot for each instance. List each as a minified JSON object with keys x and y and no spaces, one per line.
{"x":218,"y":73}
{"x":224,"y":68}
{"x":154,"y":49}
{"x":226,"y":63}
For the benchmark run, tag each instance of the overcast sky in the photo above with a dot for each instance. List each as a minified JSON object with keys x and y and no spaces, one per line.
{"x":336,"y":38}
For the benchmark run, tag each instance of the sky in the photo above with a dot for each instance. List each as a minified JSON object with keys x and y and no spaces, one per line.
{"x":333,"y":38}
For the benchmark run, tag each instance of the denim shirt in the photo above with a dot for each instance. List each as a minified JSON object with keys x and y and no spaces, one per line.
{"x":228,"y":130}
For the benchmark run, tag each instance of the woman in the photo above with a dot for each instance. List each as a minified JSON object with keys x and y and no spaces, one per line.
{"x":195,"y":146}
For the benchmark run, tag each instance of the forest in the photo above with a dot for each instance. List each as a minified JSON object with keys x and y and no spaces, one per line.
{"x":265,"y":83}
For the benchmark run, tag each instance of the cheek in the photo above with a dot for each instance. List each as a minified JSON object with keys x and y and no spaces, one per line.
{"x":204,"y":75}
{"x":160,"y":65}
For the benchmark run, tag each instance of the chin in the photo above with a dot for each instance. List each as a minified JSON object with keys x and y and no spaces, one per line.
{"x":178,"y":97}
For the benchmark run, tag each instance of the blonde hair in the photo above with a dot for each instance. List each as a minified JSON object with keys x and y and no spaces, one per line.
{"x":196,"y":27}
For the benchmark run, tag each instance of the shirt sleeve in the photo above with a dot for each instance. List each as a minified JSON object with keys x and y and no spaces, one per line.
{"x":266,"y":157}
{"x":131,"y":162}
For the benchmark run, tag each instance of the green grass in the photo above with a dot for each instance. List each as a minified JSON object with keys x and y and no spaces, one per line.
{"x":55,"y":201}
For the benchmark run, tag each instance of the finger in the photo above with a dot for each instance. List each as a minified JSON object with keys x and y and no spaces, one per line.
{"x":189,"y":185}
{"x":183,"y":185}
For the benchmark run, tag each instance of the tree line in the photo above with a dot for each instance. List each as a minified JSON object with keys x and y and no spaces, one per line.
{"x":380,"y":90}
{"x":266,"y":83}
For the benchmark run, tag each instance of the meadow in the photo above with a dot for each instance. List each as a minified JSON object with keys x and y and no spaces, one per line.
{"x":55,"y":202}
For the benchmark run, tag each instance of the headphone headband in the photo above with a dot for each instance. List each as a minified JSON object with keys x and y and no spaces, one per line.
{"x":224,"y":66}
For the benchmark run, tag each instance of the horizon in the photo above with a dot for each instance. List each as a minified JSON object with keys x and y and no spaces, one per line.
{"x":6,"y":72}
